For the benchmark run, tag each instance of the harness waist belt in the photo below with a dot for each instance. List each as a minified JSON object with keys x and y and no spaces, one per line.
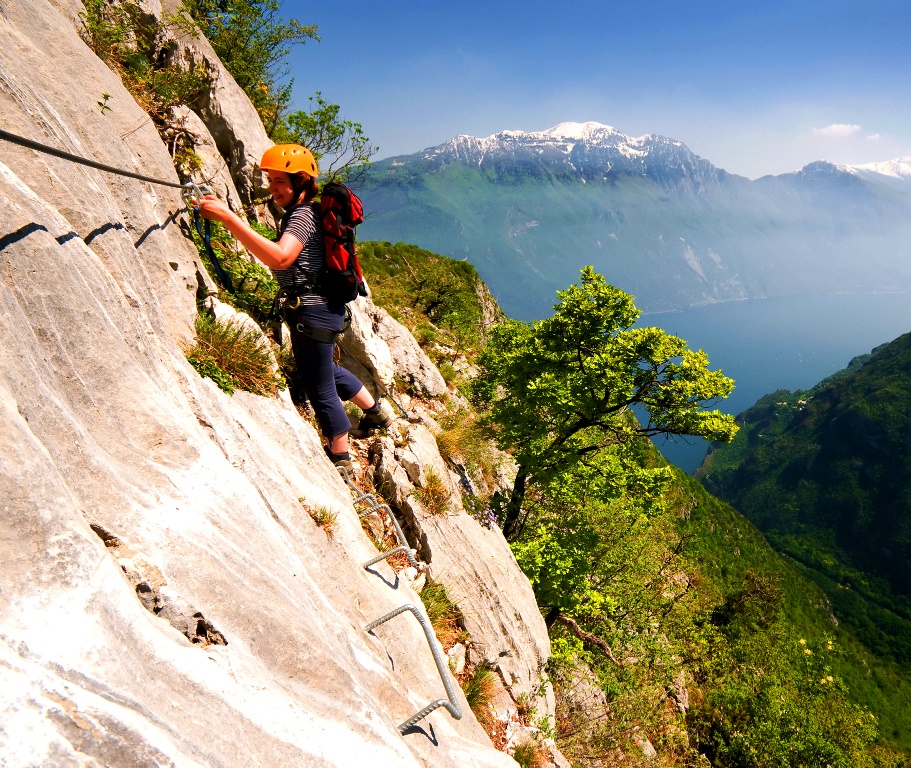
{"x":318,"y":334}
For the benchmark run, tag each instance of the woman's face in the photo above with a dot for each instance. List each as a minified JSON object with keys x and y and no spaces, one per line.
{"x":280,"y":188}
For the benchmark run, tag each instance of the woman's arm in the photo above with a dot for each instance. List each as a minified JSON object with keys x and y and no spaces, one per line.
{"x":280,"y":255}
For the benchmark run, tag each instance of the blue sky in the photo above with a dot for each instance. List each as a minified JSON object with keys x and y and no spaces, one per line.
{"x":754,"y":87}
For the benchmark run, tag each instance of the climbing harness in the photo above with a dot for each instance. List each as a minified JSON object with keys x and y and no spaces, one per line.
{"x":284,"y":306}
{"x":450,"y":703}
{"x":190,"y":192}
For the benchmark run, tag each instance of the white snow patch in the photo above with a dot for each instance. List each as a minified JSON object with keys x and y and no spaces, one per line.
{"x":900,"y":168}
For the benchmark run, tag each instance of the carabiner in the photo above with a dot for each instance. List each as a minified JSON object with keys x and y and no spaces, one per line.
{"x":191,"y":194}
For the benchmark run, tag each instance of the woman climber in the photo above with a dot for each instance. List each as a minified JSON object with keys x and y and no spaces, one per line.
{"x":297,"y":259}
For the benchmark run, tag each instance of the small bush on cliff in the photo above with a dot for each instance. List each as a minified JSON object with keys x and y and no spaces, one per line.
{"x":253,"y":41}
{"x":128,"y":40}
{"x":233,"y":356}
{"x":434,"y":494}
{"x":530,"y":755}
{"x":465,"y":440}
{"x":254,"y":285}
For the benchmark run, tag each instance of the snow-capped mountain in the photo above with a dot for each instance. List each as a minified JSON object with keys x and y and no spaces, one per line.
{"x":529,"y":208}
{"x":587,"y":151}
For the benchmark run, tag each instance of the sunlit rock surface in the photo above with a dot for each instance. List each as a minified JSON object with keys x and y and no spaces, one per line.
{"x":165,"y":598}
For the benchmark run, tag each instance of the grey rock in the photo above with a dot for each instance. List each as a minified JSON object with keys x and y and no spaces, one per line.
{"x":364,"y":353}
{"x":226,"y":111}
{"x":102,"y":420}
{"x":457,"y":658}
{"x":215,"y":173}
{"x":474,"y":563}
{"x":386,"y":349}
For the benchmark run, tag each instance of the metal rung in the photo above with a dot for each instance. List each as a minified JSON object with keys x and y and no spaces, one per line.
{"x":450,"y":704}
{"x":370,"y":499}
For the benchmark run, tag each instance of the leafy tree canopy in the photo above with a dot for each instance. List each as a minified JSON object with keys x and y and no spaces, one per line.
{"x":253,"y":41}
{"x":561,"y":391}
{"x":339,"y":145}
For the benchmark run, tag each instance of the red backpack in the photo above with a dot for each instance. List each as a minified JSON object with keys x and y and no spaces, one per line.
{"x":341,"y":211}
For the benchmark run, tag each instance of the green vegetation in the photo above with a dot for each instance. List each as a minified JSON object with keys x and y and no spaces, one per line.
{"x":129,"y":41}
{"x":434,"y":493}
{"x":443,"y":614}
{"x":441,"y":300}
{"x":479,"y":688}
{"x":644,"y":578}
{"x":324,"y":517}
{"x":824,"y":473}
{"x":233,"y":356}
{"x":253,"y":41}
{"x":777,"y":678}
{"x":561,"y":394}
{"x":529,"y":755}
{"x":254,"y":285}
{"x":465,"y":441}
{"x":342,"y":143}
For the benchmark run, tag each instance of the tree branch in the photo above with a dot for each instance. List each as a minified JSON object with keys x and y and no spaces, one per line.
{"x":587,"y":637}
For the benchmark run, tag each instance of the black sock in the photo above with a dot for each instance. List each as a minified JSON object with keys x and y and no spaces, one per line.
{"x":373,"y":409}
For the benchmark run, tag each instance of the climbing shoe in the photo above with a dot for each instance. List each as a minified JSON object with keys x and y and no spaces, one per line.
{"x":342,"y":460}
{"x":378,"y":417}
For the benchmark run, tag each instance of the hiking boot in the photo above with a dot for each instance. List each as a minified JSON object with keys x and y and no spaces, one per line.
{"x":378,"y":419}
{"x":342,"y":460}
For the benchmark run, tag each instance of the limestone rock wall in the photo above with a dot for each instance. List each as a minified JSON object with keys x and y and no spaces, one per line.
{"x":165,"y":597}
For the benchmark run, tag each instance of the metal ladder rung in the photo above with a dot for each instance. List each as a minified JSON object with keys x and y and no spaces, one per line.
{"x":449,"y":703}
{"x":370,"y":499}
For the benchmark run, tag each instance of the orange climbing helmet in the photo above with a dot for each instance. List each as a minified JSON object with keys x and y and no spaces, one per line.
{"x":290,"y":158}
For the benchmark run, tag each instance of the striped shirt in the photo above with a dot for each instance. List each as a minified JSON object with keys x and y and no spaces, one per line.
{"x":304,"y":223}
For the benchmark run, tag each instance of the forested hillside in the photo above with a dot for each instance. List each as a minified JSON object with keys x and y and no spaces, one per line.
{"x":825,"y":474}
{"x":675,"y":626}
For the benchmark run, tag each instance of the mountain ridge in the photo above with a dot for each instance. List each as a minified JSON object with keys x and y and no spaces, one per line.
{"x":569,"y":134}
{"x":529,"y":209}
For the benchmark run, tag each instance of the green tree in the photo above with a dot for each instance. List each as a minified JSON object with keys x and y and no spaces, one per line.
{"x":253,"y":42}
{"x":771,"y":698}
{"x":340,"y":146}
{"x":561,"y":391}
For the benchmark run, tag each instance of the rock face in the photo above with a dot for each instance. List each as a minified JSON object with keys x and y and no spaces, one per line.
{"x":165,"y":597}
{"x":231,"y":120}
{"x":474,"y":563}
{"x":214,"y":171}
{"x":379,"y":350}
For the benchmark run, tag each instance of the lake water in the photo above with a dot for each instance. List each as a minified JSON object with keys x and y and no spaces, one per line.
{"x":784,"y":343}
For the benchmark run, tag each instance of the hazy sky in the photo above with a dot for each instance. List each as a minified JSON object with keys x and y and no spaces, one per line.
{"x":754,"y":87}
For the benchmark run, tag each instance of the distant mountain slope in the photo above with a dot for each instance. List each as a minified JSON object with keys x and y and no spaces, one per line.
{"x":827,"y":475}
{"x":530,"y":209}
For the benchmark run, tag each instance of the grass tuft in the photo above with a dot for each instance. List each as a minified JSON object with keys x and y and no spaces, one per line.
{"x":434,"y":495}
{"x":479,"y":689}
{"x":324,"y":517}
{"x":444,"y":615}
{"x":233,"y":356}
{"x":530,"y":755}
